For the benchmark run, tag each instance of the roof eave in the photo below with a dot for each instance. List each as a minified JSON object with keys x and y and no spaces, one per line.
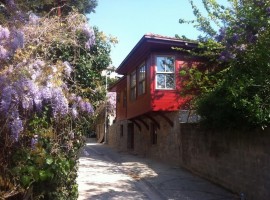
{"x":151,"y":39}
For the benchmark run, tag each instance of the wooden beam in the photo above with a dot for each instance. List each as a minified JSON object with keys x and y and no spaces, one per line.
{"x":166,"y":118}
{"x":136,"y":123}
{"x":143,"y":122}
{"x":153,"y":120}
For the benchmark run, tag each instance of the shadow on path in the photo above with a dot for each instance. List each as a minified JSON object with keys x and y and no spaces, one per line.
{"x":104,"y":173}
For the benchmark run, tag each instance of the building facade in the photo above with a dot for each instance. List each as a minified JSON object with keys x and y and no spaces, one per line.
{"x":149,"y":93}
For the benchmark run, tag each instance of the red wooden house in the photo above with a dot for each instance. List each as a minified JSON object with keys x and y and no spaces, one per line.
{"x":151,"y":83}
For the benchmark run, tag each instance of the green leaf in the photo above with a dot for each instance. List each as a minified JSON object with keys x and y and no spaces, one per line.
{"x":26,"y":180}
{"x":49,"y":161}
{"x":43,"y":175}
{"x":183,"y":73}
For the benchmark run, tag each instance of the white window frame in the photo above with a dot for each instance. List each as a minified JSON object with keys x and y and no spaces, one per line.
{"x":164,"y":73}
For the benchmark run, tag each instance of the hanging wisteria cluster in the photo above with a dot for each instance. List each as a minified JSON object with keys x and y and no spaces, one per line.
{"x":245,"y":29}
{"x":111,"y":103}
{"x":29,"y":81}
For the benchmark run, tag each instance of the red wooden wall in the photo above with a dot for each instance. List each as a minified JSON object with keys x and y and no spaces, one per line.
{"x":154,"y":99}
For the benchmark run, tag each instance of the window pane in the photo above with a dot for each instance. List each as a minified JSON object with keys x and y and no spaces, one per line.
{"x":170,"y":64}
{"x":142,"y":76}
{"x":133,"y":93}
{"x":165,"y":64}
{"x":161,"y":64}
{"x":142,"y":73}
{"x":160,"y":81}
{"x":141,"y":89}
{"x":170,"y":81}
{"x":133,"y":79}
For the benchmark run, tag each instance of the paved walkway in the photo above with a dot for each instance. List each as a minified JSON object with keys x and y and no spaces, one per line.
{"x":105,"y":174}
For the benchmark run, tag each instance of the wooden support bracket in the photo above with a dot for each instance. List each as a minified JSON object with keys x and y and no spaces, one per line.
{"x":153,"y":120}
{"x":136,"y":123}
{"x":143,"y":122}
{"x":166,"y":118}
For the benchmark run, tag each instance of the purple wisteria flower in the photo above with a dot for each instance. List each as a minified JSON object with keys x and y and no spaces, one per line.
{"x":10,"y":3}
{"x":4,"y":33}
{"x":27,"y":102}
{"x":68,"y":68}
{"x":9,"y":97}
{"x":90,"y":34}
{"x":33,"y":19}
{"x":259,"y":2}
{"x":90,"y":42}
{"x":34,"y":141}
{"x":35,"y":68}
{"x":241,"y":48}
{"x":74,"y":112}
{"x":222,"y":33}
{"x":111,"y":102}
{"x":59,"y":103}
{"x":27,"y":90}
{"x":226,"y":56}
{"x":268,"y":11}
{"x":78,"y":98}
{"x":64,"y":86}
{"x":86,"y":107}
{"x":46,"y":93}
{"x":235,"y":37}
{"x":72,"y":97}
{"x":82,"y":106}
{"x":251,"y":38}
{"x":38,"y":63}
{"x":88,"y":31}
{"x":3,"y":81}
{"x":16,"y":127}
{"x":89,"y":108}
{"x":3,"y":53}
{"x":38,"y":101}
{"x":18,"y":40}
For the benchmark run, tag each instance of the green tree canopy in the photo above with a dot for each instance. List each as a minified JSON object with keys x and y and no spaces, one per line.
{"x":239,"y":95}
{"x":17,"y":9}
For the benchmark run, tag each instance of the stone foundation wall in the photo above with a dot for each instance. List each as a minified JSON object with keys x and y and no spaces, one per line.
{"x":167,"y":138}
{"x":239,"y":161}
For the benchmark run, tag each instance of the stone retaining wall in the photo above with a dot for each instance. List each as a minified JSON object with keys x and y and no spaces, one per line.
{"x":239,"y":161}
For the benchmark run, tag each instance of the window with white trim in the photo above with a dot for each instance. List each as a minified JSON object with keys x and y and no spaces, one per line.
{"x":141,"y":83}
{"x":133,"y":85}
{"x":165,"y":76}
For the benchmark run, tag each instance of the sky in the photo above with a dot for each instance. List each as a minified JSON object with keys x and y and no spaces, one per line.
{"x":129,"y":20}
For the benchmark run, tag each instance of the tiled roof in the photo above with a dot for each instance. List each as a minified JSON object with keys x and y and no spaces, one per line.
{"x":157,"y":36}
{"x":147,"y":43}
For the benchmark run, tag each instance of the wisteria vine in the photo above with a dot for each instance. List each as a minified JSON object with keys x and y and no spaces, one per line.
{"x":28,"y":80}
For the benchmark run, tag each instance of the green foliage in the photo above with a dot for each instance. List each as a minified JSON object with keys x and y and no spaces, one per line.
{"x":48,"y":165}
{"x":239,"y":57}
{"x":43,"y":7}
{"x":50,"y":175}
{"x":88,"y":65}
{"x":43,"y":160}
